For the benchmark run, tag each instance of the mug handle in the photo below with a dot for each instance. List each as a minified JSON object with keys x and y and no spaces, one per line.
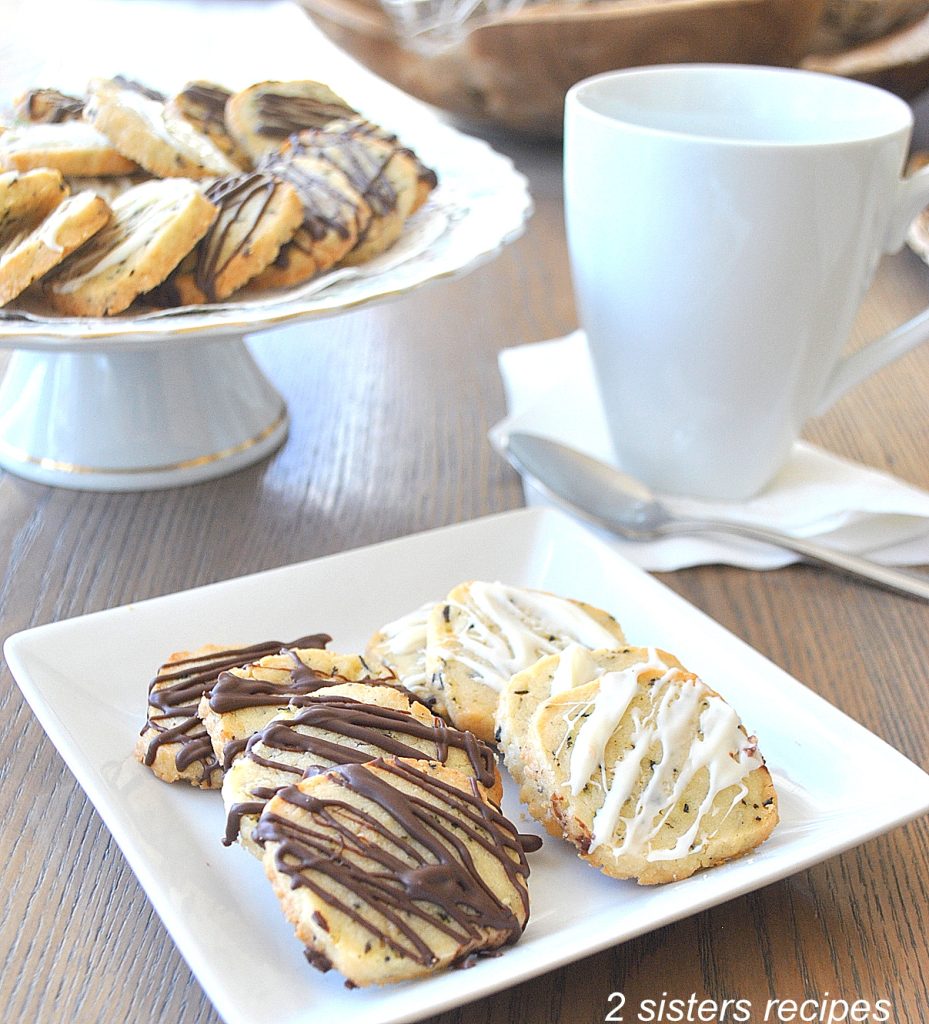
{"x":912,"y":198}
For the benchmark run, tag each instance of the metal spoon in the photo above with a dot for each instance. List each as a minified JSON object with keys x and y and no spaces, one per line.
{"x":628,"y":508}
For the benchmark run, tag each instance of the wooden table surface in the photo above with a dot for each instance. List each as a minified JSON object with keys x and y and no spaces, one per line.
{"x":390,"y":410}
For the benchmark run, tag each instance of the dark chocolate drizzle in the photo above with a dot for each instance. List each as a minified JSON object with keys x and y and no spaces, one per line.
{"x":142,"y":90}
{"x":210,"y":100}
{"x":414,"y":869}
{"x":175,"y":694}
{"x":278,"y":117}
{"x":373,"y":731}
{"x":360,"y":126}
{"x":242,"y":199}
{"x":327,"y":208}
{"x":49,"y":106}
{"x":349,"y":151}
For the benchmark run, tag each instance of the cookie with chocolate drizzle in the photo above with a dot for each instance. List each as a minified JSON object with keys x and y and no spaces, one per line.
{"x":347,"y":724}
{"x":258,"y":213}
{"x":426,"y":178}
{"x":394,"y":869}
{"x":48,"y":106}
{"x":335,"y":216}
{"x":244,"y":699}
{"x":263,"y":116}
{"x":203,"y":106}
{"x":173,"y":741}
{"x":381,"y":171}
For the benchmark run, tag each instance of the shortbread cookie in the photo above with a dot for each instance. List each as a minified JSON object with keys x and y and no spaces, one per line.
{"x":72,"y":147}
{"x":27,"y":198}
{"x":347,"y":724}
{"x":153,"y":227}
{"x":399,"y":648}
{"x":258,"y":214}
{"x":48,"y":106}
{"x":335,"y":216}
{"x":203,"y":106}
{"x":173,"y":741}
{"x":394,"y":869}
{"x":265,"y":115}
{"x":426,"y":178}
{"x":109,"y":187}
{"x":526,"y":690}
{"x":383,"y":173}
{"x":649,"y":772}
{"x":484,"y":633}
{"x":26,"y":258}
{"x":245,"y":699}
{"x":145,"y":130}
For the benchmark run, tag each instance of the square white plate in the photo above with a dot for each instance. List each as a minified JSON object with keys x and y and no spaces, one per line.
{"x":838,"y":784}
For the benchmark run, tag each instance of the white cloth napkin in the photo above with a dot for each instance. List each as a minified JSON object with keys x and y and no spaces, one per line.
{"x":550,"y":391}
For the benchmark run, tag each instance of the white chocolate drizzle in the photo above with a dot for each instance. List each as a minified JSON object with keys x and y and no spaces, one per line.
{"x":70,"y":135}
{"x":529,"y":624}
{"x":139,"y":214}
{"x":177,"y":132}
{"x":404,"y":647}
{"x":696,"y":731}
{"x":575,"y":667}
{"x":73,"y":206}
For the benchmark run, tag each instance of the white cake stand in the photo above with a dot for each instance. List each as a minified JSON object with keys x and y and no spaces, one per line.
{"x":138,"y":419}
{"x":164,"y":399}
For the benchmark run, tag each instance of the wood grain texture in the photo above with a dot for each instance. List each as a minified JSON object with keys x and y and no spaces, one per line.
{"x":390,"y":411}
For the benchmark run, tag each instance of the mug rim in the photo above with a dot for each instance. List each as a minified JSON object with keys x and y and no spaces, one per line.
{"x":575,"y":100}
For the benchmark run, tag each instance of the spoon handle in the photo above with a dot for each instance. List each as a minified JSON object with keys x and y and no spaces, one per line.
{"x":853,"y":565}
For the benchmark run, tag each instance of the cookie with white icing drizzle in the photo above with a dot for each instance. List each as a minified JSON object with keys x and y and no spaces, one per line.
{"x":27,"y":197}
{"x":27,"y":256}
{"x":345,"y":724}
{"x":399,"y":647}
{"x":395,"y":869}
{"x":109,"y":187}
{"x":520,"y":699}
{"x":174,"y":742}
{"x":71,"y":147}
{"x":139,"y":124}
{"x":484,"y":633}
{"x":648,"y":771}
{"x":153,"y":227}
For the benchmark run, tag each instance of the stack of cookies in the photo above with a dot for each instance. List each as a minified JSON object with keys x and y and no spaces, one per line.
{"x":617,"y":749}
{"x":125,"y":194}
{"x":368,"y":784}
{"x":378,"y":824}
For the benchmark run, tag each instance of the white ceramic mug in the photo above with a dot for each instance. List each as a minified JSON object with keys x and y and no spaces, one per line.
{"x":724,"y":223}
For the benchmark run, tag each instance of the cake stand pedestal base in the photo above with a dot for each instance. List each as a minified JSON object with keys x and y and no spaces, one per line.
{"x":137,"y":420}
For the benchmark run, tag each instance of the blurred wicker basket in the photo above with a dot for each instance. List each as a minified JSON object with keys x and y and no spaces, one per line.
{"x":514,"y":71}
